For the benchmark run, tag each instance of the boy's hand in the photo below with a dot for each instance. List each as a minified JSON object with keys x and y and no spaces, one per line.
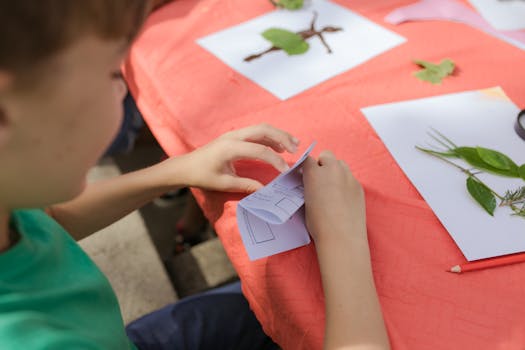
{"x":335,"y":216}
{"x":210,"y":167}
{"x":334,"y":199}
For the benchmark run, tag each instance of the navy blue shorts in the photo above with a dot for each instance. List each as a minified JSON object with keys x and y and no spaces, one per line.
{"x":218,"y":319}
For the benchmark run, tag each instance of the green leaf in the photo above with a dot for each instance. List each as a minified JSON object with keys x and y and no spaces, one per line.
{"x":521,"y":171}
{"x":434,"y":73}
{"x":482,"y":195}
{"x":290,"y":42}
{"x":289,"y":4}
{"x":472,"y":157}
{"x":496,"y":159}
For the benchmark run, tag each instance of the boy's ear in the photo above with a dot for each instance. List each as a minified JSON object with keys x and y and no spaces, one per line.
{"x":4,"y":127}
{"x":5,"y":82}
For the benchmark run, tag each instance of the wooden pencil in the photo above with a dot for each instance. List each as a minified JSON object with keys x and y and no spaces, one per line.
{"x":488,"y":263}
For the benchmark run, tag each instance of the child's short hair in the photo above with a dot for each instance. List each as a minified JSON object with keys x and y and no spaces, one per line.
{"x":33,"y":30}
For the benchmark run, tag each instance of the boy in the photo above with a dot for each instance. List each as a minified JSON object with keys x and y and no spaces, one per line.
{"x":60,"y":106}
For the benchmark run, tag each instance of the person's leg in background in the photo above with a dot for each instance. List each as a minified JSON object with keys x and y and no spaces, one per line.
{"x":190,"y":227}
{"x":217,"y":319}
{"x":132,"y":124}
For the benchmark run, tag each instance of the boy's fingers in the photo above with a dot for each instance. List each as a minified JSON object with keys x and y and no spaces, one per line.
{"x":309,"y":165}
{"x":267,"y":135}
{"x":248,"y":150}
{"x":276,"y":146}
{"x":242,"y":184}
{"x":326,"y":158}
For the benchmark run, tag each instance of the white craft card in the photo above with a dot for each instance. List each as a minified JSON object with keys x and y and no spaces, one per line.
{"x":271,"y":220}
{"x":285,"y":76}
{"x":475,"y":118}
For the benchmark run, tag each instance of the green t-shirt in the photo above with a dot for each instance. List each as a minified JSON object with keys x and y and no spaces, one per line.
{"x":52,"y":296}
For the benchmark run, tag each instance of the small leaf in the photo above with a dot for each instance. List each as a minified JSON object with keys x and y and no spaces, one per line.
{"x":434,"y":73}
{"x":290,"y":42}
{"x":471,"y":156}
{"x":289,"y":4}
{"x":482,"y":195}
{"x":521,"y":171}
{"x":428,"y":75}
{"x":496,"y":159}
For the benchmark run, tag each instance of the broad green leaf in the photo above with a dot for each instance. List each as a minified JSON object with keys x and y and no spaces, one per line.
{"x":482,"y":195}
{"x":434,"y":73}
{"x":471,"y":156}
{"x":496,"y":159}
{"x":521,"y":171}
{"x":289,"y":4}
{"x":290,"y":42}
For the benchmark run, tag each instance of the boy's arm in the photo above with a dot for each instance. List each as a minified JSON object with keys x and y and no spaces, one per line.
{"x":209,"y":167}
{"x":106,"y":201}
{"x":335,"y":215}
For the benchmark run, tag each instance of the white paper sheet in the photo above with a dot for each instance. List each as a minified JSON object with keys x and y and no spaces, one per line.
{"x":476,"y":118}
{"x":271,"y":220}
{"x":285,"y":76}
{"x":502,"y":14}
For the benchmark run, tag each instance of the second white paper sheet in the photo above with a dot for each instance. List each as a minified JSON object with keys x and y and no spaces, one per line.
{"x":475,"y":118}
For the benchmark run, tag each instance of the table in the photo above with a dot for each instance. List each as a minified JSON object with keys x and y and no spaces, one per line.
{"x":188,"y":97}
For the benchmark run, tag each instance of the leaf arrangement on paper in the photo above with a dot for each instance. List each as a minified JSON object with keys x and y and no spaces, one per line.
{"x":482,"y":160}
{"x":294,"y":43}
{"x":434,"y":73}
{"x":291,"y":43}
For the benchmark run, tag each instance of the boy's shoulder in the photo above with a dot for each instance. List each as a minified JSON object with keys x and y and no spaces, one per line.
{"x":51,"y":294}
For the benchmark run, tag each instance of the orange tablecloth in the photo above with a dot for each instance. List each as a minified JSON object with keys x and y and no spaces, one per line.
{"x":188,"y":97}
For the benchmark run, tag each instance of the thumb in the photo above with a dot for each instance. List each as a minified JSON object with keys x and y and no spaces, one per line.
{"x":309,"y":165}
{"x":243,"y":184}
